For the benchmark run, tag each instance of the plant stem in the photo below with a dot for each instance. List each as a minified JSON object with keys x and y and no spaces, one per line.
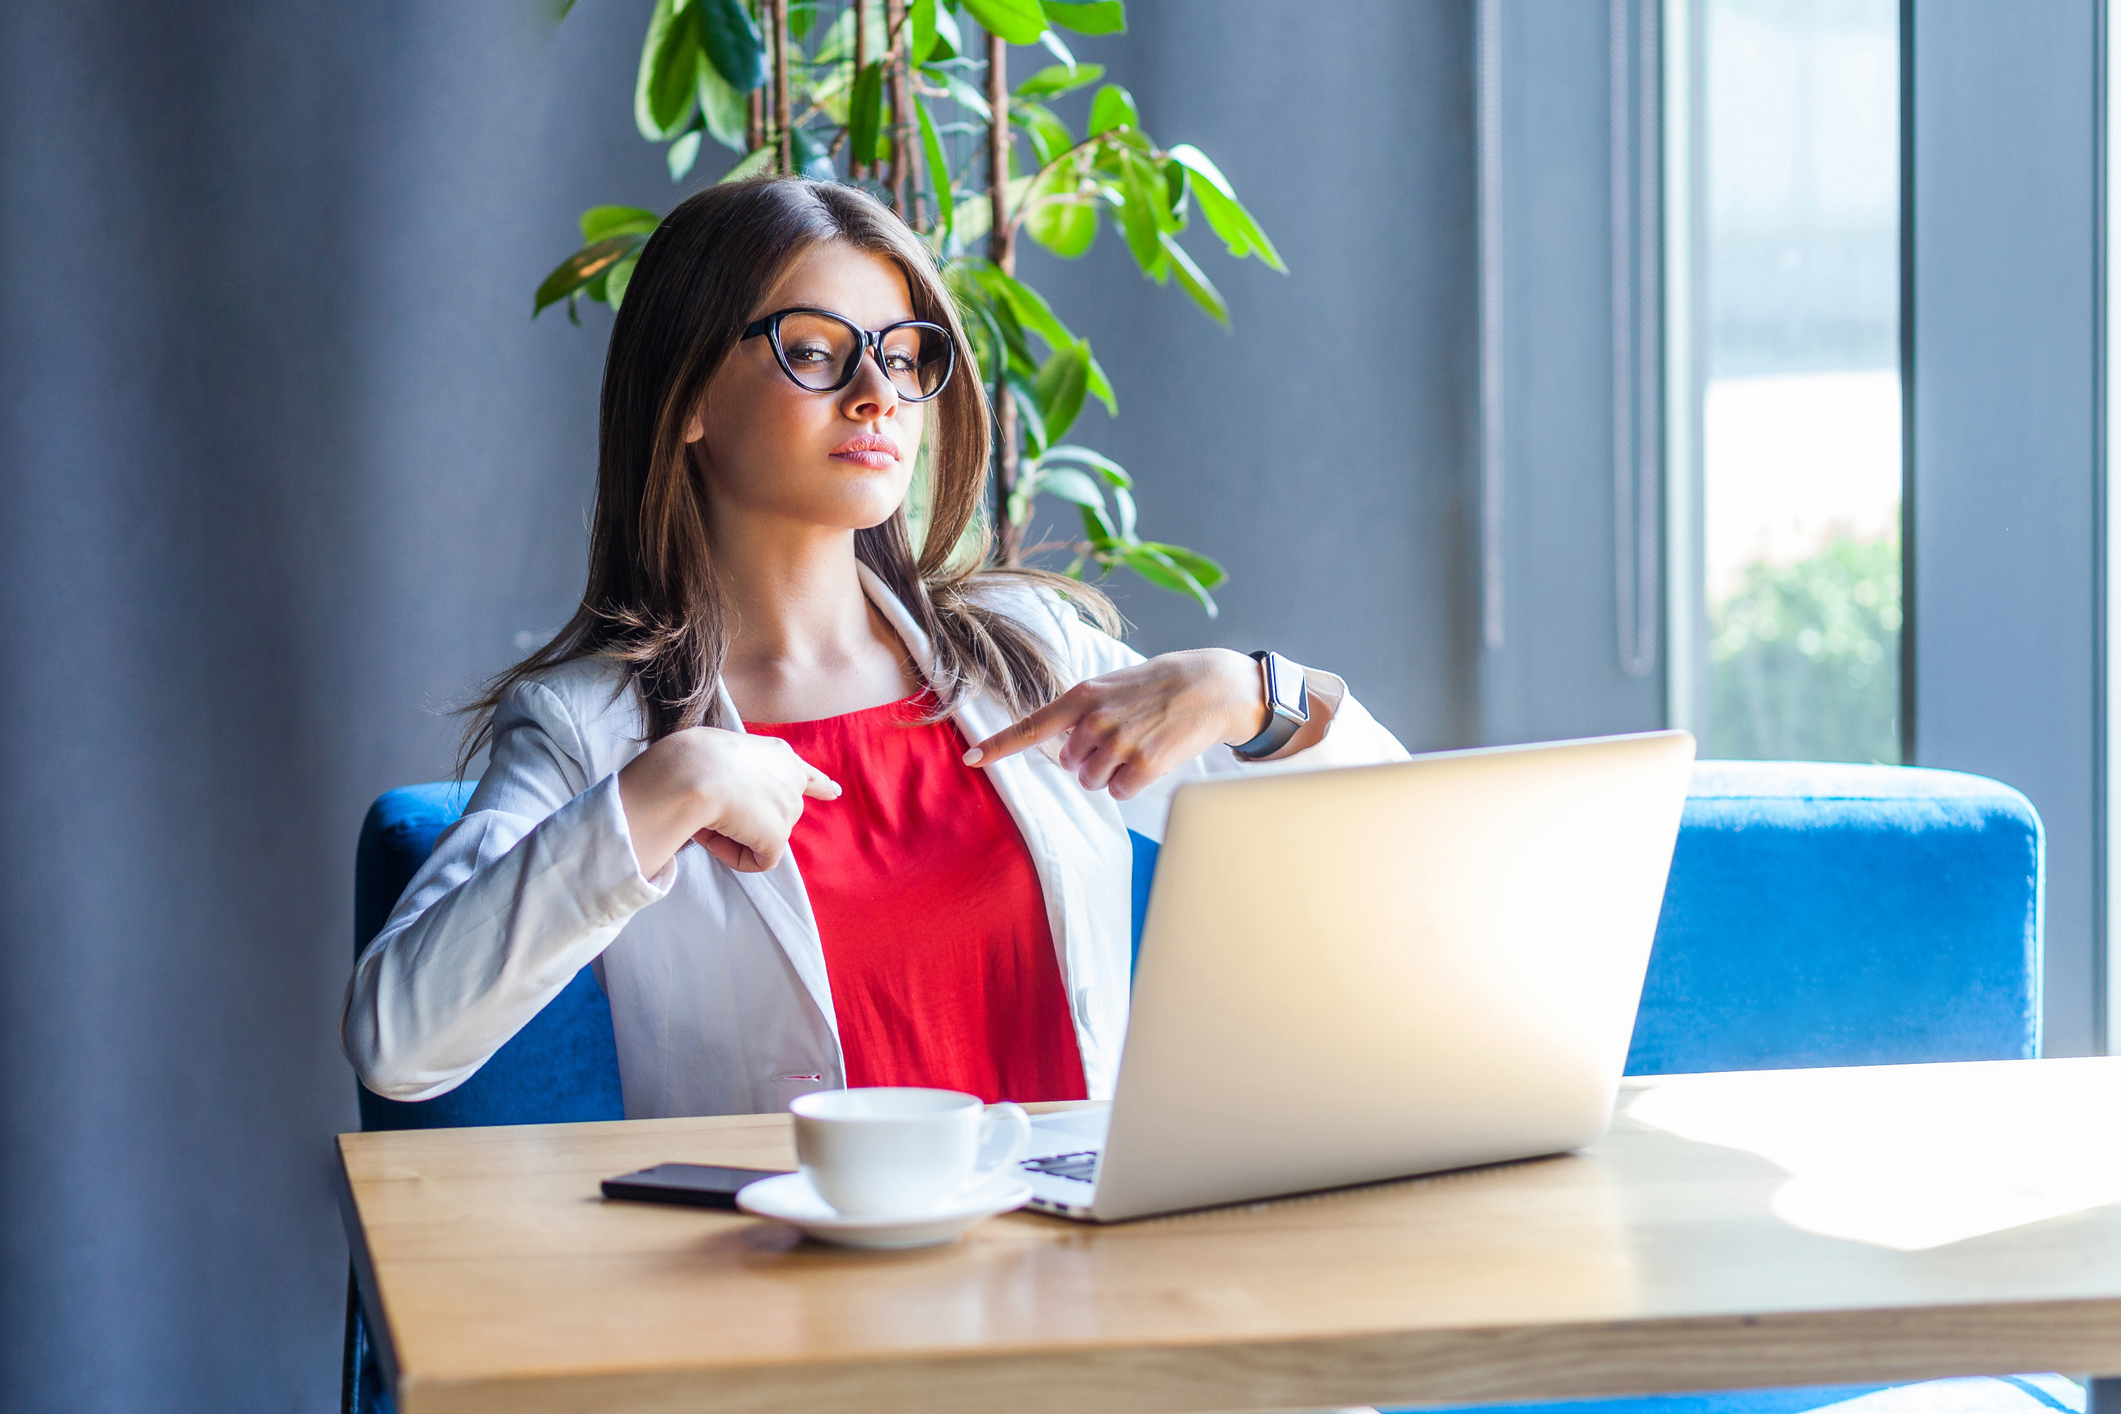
{"x":1001,"y":249}
{"x":754,"y":108}
{"x":895,"y":100}
{"x":1001,"y":243}
{"x":857,"y":169}
{"x":783,"y":130}
{"x":916,"y":156}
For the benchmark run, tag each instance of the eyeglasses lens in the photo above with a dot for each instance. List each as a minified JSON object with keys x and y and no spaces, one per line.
{"x":819,"y":350}
{"x":917,"y":358}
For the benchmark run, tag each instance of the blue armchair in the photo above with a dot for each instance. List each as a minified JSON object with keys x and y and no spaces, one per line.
{"x":1815,"y":915}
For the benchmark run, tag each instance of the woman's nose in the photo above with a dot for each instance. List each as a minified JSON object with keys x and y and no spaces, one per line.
{"x":871,"y":395}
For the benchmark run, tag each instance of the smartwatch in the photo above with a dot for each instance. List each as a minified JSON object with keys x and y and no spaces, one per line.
{"x":1288,"y":706}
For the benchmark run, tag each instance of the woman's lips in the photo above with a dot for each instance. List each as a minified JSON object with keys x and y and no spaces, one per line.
{"x":876,"y":453}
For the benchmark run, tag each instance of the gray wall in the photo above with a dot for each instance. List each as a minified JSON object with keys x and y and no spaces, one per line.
{"x":287,"y":465}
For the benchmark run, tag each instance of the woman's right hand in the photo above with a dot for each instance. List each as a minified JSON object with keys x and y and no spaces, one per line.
{"x":738,"y":795}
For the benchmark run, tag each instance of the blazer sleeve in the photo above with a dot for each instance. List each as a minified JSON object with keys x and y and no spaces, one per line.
{"x":1353,"y":737}
{"x":536,"y":880}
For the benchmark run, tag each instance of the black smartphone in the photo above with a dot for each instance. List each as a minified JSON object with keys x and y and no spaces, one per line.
{"x":701,"y":1185}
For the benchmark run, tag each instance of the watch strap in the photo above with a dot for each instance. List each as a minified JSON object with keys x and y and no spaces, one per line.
{"x":1284,"y":719}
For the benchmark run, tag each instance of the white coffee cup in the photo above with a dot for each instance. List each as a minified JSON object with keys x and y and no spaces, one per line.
{"x":893,"y":1149}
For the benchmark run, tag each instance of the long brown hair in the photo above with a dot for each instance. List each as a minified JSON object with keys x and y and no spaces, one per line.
{"x":654,"y":601}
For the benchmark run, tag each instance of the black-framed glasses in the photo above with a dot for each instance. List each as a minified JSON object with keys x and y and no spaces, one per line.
{"x":821,"y":351}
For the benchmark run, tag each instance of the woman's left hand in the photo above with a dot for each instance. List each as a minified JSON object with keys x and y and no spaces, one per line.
{"x":1129,"y":727}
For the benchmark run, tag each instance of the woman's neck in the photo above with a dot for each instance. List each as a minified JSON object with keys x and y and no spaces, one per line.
{"x":805,"y":642}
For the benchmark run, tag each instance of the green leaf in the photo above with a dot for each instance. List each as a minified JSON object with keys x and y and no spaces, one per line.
{"x":683,"y":153}
{"x":1060,"y":216}
{"x":603,"y":222}
{"x":1049,"y":135}
{"x":1163,"y":198}
{"x":920,"y":30}
{"x":938,"y":170}
{"x":1207,"y":571}
{"x":865,"y":113}
{"x":1062,"y":382}
{"x":722,"y":107}
{"x":1027,"y":304}
{"x":964,"y":94}
{"x":1101,"y":387}
{"x":1240,"y":232}
{"x":1014,"y":344}
{"x":1102,"y":17}
{"x":811,"y":160}
{"x":758,"y":161}
{"x":1113,"y":473}
{"x":976,"y":308}
{"x":949,"y":42}
{"x":1152,"y":563}
{"x":1057,"y":79}
{"x":664,"y":89}
{"x":1057,"y":49}
{"x":588,"y":264}
{"x":1197,"y":284}
{"x":802,"y":18}
{"x":1137,"y":217}
{"x":619,"y":277}
{"x":1097,"y":526}
{"x":1031,"y":422}
{"x":1174,"y":175}
{"x":1070,"y":485}
{"x":1017,"y":21}
{"x":732,"y":41}
{"x":1123,"y":502}
{"x":1113,"y":108}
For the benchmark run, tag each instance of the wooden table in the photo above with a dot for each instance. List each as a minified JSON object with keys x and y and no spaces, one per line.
{"x":1760,"y":1228}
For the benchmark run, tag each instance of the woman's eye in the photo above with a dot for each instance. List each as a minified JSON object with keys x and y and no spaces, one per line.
{"x":898,"y":362}
{"x":811,"y":356}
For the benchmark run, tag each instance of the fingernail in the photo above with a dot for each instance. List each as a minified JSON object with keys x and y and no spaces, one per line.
{"x":972,"y":757}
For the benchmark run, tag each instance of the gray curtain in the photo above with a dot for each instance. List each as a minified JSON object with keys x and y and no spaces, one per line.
{"x":285,"y":467}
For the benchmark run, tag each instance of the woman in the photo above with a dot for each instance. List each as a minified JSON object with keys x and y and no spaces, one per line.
{"x":871,"y":902}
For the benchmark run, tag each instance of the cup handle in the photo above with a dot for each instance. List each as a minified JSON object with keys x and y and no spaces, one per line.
{"x":1011,"y":1126}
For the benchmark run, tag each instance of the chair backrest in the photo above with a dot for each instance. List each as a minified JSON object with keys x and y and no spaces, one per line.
{"x":1815,"y":915}
{"x":1824,"y":914}
{"x":562,"y":1066}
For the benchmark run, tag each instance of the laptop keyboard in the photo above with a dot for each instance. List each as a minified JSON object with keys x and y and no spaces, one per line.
{"x":1081,"y":1167}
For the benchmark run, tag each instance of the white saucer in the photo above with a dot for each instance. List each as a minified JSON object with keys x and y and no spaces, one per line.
{"x":789,"y":1198}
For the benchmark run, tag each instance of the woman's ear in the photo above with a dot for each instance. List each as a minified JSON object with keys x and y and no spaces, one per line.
{"x":695,"y":427}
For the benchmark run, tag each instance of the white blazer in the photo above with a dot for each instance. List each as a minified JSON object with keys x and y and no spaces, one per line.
{"x":720,"y":1001}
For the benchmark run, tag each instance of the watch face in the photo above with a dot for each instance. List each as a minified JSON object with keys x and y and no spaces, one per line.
{"x":1285,"y":685}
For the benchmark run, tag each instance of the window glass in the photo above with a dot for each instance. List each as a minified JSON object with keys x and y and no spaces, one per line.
{"x":1801,"y":421}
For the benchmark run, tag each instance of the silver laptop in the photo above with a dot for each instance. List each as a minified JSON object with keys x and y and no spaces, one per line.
{"x":1356,"y":975}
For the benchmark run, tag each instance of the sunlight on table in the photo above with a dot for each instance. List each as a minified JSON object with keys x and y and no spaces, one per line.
{"x":1879,"y":1158}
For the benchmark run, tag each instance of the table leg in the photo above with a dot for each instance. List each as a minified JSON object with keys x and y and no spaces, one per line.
{"x":2103,"y":1396}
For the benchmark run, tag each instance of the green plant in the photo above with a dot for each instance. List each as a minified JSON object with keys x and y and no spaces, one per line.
{"x":1804,"y":657}
{"x":893,"y":96}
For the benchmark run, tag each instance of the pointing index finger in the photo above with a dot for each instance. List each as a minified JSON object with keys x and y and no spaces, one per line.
{"x":1048,"y":721}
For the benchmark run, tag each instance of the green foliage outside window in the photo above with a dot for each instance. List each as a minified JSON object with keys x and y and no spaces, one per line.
{"x":906,"y":99}
{"x":1804,"y":658}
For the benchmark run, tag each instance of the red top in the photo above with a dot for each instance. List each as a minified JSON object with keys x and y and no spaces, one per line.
{"x":942,"y":965}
